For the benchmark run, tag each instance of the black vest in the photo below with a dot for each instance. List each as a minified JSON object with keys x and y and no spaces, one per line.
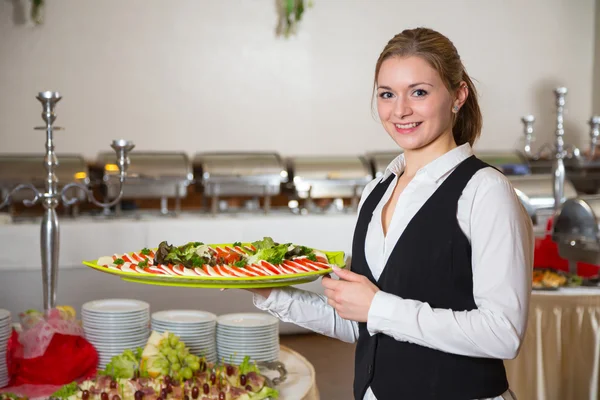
{"x":431,"y":262}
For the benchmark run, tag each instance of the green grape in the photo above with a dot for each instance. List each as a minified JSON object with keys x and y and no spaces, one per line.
{"x":172,"y":352}
{"x":175,"y":375}
{"x":165,"y":350}
{"x":161,"y":363}
{"x":164,"y":371}
{"x":172,"y":358}
{"x":182,"y":354}
{"x":175,"y":366}
{"x":173,"y":340}
{"x":195,"y":366}
{"x":189,"y":359}
{"x":180,"y":346}
{"x":186,"y":373}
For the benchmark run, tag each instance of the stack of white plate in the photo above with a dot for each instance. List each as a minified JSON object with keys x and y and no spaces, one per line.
{"x":195,"y":328}
{"x":247,"y":334}
{"x":5,"y":330}
{"x":114,"y":325}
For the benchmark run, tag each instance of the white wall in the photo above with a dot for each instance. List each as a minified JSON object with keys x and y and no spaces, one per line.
{"x":211,"y":75}
{"x":596,"y":86}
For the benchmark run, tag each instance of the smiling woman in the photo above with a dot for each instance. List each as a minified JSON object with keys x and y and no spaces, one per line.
{"x":442,"y":250}
{"x":417,"y":78}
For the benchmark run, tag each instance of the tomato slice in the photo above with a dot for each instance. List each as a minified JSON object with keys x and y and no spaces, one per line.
{"x":270,"y":267}
{"x":306,"y":263}
{"x":257,"y":270}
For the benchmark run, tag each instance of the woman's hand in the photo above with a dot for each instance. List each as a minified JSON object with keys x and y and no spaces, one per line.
{"x":351,"y":296}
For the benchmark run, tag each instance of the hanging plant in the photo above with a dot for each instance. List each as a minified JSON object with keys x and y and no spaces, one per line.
{"x":37,"y":11}
{"x":290,"y":13}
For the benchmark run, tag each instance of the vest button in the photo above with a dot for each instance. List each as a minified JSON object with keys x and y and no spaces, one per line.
{"x":369,"y":369}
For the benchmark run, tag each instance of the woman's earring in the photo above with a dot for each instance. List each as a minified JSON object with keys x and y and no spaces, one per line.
{"x":455,"y":109}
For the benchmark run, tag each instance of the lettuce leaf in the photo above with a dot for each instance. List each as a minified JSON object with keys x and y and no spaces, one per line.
{"x":246,"y":366}
{"x":266,"y":243}
{"x":66,"y":391}
{"x":124,"y":365}
{"x":274,"y":255}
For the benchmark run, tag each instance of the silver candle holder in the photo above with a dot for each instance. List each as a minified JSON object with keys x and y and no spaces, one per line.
{"x":558,"y":167}
{"x":51,"y":198}
{"x":594,"y":123}
{"x":551,"y":157}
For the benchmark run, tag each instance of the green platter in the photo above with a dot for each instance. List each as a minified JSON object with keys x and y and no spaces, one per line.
{"x":334,"y":257}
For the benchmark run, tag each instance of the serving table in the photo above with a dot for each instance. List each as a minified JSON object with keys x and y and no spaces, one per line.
{"x":560,"y":356}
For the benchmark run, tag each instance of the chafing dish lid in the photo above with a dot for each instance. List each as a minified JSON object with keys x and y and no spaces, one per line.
{"x":330,"y":168}
{"x":29,"y":168}
{"x":577,"y":219}
{"x":240,"y":164}
{"x":535,"y":191}
{"x":150,"y":165}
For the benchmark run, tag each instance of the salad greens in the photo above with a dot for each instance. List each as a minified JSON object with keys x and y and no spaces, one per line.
{"x":197,"y":254}
{"x":125,"y":365}
{"x":66,"y":391}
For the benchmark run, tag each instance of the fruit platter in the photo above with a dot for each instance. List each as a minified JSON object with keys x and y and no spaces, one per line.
{"x":165,"y":370}
{"x":263,"y":263}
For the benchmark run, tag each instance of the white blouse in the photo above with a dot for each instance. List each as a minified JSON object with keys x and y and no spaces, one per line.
{"x":502,"y":243}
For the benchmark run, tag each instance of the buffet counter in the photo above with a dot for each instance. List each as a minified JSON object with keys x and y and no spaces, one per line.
{"x":88,"y":238}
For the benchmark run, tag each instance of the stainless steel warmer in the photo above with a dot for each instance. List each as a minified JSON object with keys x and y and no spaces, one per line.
{"x":231,"y":174}
{"x":329,"y":177}
{"x":536,"y":194}
{"x":29,"y":168}
{"x":576,"y":231}
{"x":151,"y":175}
{"x":381,"y":159}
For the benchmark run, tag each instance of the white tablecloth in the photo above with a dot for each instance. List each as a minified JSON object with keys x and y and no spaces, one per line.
{"x":560,"y":356}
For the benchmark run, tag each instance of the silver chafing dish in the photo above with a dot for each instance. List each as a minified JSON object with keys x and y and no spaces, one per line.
{"x":29,"y":168}
{"x":241,"y":174}
{"x":381,"y":159}
{"x":151,"y":175}
{"x":329,"y":177}
{"x":537,"y":196}
{"x":576,"y":231}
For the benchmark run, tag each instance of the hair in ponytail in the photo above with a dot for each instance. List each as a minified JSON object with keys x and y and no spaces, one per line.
{"x":441,"y":54}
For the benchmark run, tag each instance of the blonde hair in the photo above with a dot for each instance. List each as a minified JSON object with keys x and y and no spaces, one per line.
{"x":441,"y":54}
